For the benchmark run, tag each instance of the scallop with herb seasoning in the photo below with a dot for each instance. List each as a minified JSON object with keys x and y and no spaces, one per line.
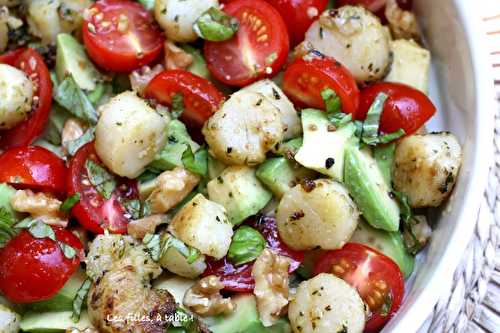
{"x":315,"y":214}
{"x":356,"y":38}
{"x":426,"y":167}
{"x":16,"y":95}
{"x":244,"y":129}
{"x":326,"y":304}
{"x":129,"y":134}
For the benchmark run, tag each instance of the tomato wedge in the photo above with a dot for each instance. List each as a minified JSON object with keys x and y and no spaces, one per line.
{"x":405,"y":107}
{"x":259,"y":48}
{"x":121,"y":35}
{"x":299,"y":15}
{"x":35,"y":269}
{"x":239,"y":278}
{"x":201,"y":98}
{"x":94,"y":212}
{"x":376,"y":277}
{"x":309,"y":75}
{"x":30,"y":62}
{"x":35,"y":168}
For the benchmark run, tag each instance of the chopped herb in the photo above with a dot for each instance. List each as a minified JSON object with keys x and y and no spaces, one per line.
{"x":69,"y":203}
{"x":80,"y":297}
{"x":153,"y":245}
{"x":269,"y":61}
{"x":6,"y":222}
{"x":103,"y":181}
{"x":177,"y":105}
{"x":197,"y":162}
{"x":188,"y":252}
{"x":68,"y":251}
{"x":215,"y":25}
{"x":73,"y":145}
{"x":386,"y":307}
{"x":69,"y":95}
{"x":247,"y":244}
{"x":41,"y":230}
{"x":389,"y":137}
{"x":136,"y":208}
{"x":371,"y":124}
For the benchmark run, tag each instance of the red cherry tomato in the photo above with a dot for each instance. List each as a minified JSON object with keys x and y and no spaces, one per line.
{"x":405,"y":107}
{"x":94,"y":212}
{"x":35,"y":269}
{"x":308,"y":76}
{"x":259,"y":48}
{"x":33,"y":167}
{"x":376,"y":277}
{"x":201,"y":97}
{"x":239,"y":278}
{"x":299,"y":15}
{"x":30,"y":62}
{"x":121,"y":35}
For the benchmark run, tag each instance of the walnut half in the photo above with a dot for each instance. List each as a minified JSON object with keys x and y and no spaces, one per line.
{"x":40,"y":205}
{"x":204,"y":298}
{"x":270,"y":272}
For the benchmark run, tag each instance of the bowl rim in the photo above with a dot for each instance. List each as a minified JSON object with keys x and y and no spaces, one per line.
{"x":413,"y":316}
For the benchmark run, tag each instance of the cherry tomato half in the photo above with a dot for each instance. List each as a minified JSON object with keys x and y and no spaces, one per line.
{"x":30,"y":62}
{"x":35,"y":269}
{"x":239,"y":278}
{"x":308,"y":76}
{"x":94,"y":212}
{"x":201,"y":97}
{"x":376,"y":277}
{"x":259,"y":48}
{"x":299,"y":15}
{"x":405,"y":107}
{"x":121,"y":35}
{"x":33,"y":167}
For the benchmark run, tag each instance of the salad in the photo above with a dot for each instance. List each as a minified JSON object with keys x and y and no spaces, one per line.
{"x":214,"y":166}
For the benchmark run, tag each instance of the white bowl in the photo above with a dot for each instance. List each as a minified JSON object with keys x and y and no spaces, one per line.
{"x":462,"y":88}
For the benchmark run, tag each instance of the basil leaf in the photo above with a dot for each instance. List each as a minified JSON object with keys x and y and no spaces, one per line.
{"x":80,"y":297}
{"x":103,"y":181}
{"x":386,"y":138}
{"x":96,"y":95}
{"x":215,"y":25}
{"x":25,"y":223}
{"x":68,"y":251}
{"x":384,"y":155}
{"x":247,"y":244}
{"x":42,"y":230}
{"x":197,"y":162}
{"x":69,"y":95}
{"x":177,"y":105}
{"x":69,"y":203}
{"x":188,"y":252}
{"x":136,"y":208}
{"x":153,"y":245}
{"x":332,"y":101}
{"x":6,"y":222}
{"x":148,"y":4}
{"x":372,"y":121}
{"x":73,"y":145}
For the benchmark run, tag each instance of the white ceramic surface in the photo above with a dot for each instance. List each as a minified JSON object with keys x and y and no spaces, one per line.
{"x":462,"y":88}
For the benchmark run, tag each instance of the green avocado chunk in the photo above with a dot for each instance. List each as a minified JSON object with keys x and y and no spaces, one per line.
{"x":366,"y":184}
{"x":72,"y":59}
{"x":245,"y":319}
{"x":240,"y":192}
{"x":63,"y":300}
{"x":280,"y":174}
{"x":324,"y":145}
{"x":199,"y":65}
{"x":389,"y":243}
{"x":52,"y":322}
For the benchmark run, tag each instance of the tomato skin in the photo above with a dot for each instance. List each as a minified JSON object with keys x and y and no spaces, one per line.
{"x":30,"y":62}
{"x":299,"y":15}
{"x":94,"y":211}
{"x":35,"y":269}
{"x":112,"y":50}
{"x":34,"y":168}
{"x":201,"y":97}
{"x":308,"y":76}
{"x":405,"y":107}
{"x":239,"y":278}
{"x":255,"y":51}
{"x":367,"y":270}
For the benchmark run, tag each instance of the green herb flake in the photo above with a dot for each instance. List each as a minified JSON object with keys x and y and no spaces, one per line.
{"x":41,"y":230}
{"x":177,"y":105}
{"x":197,"y":162}
{"x":72,"y":146}
{"x":371,"y":124}
{"x":68,"y":251}
{"x":152,"y":243}
{"x":69,"y":203}
{"x":188,"y":252}
{"x":78,"y":301}
{"x":215,"y":25}
{"x":103,"y":181}
{"x":69,"y":95}
{"x":136,"y":208}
